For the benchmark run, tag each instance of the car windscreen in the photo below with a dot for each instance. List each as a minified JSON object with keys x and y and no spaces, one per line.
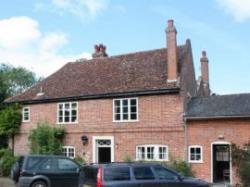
{"x":116,"y":174}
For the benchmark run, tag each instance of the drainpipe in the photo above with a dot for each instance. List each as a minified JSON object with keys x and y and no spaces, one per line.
{"x":185,"y":138}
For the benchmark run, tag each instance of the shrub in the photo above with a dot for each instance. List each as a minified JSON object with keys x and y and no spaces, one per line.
{"x":46,"y":139}
{"x":241,"y":159}
{"x":6,"y":161}
{"x":80,"y":160}
{"x":127,"y":158}
{"x":182,"y":167}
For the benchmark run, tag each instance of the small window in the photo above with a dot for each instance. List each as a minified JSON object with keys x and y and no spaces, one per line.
{"x":67,"y":112}
{"x":143,"y":173}
{"x":117,"y":174}
{"x":195,"y":153}
{"x":26,"y":114}
{"x":125,"y":110}
{"x":163,"y":173}
{"x":69,"y":151}
{"x":67,"y":165}
{"x":152,"y":152}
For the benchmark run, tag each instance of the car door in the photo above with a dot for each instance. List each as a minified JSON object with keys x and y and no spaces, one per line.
{"x":144,"y":176}
{"x":67,"y":173}
{"x":167,"y":178}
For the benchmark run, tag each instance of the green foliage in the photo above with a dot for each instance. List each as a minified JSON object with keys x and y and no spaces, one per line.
{"x":6,"y":161}
{"x":14,"y":80}
{"x":241,"y":159}
{"x":182,"y":167}
{"x":80,"y":160}
{"x":10,"y":120}
{"x":127,"y":158}
{"x":46,"y":140}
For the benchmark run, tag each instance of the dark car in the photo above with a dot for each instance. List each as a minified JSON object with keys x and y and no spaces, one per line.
{"x":46,"y":171}
{"x":134,"y":175}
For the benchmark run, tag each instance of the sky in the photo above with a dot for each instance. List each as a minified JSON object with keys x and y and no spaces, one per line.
{"x":43,"y":35}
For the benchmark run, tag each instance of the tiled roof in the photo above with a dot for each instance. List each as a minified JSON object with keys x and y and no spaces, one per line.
{"x":220,"y":106}
{"x":140,"y":71}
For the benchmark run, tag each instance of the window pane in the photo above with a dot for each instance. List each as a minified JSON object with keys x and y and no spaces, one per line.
{"x":133,"y":116}
{"x":73,"y":119}
{"x":125,"y":102}
{"x":116,"y":174}
{"x":143,"y":173}
{"x":60,"y":119}
{"x":60,"y":106}
{"x":66,"y":119}
{"x":66,"y":106}
{"x":117,"y":117}
{"x":125,"y":109}
{"x":150,"y":153}
{"x":133,"y":109}
{"x":74,"y":105}
{"x":141,"y":153}
{"x":133,"y":102}
{"x":117,"y":103}
{"x":117,"y":110}
{"x":125,"y":116}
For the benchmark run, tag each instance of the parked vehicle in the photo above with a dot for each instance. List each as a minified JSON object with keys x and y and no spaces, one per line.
{"x":135,"y":175}
{"x":46,"y":171}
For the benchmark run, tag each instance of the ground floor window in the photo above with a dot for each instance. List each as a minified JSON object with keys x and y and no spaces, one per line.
{"x":69,"y":151}
{"x":152,"y":152}
{"x":195,"y":153}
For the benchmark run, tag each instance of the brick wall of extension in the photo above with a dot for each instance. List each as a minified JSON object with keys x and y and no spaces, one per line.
{"x":206,"y":132}
{"x":160,"y":122}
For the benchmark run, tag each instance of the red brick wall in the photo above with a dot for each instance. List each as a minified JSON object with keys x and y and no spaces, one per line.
{"x":160,"y":122}
{"x":206,"y":132}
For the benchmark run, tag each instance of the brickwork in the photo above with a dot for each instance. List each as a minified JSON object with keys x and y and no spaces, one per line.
{"x":206,"y":132}
{"x":160,"y":122}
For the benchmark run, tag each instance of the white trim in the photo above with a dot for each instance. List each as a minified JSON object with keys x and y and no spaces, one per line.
{"x":94,"y":147}
{"x":156,"y":152}
{"x":189,"y":154}
{"x":129,"y":108}
{"x":77,"y":113}
{"x":230,"y":159}
{"x":23,"y":120}
{"x":67,"y":150}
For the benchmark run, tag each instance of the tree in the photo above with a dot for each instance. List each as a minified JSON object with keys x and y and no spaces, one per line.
{"x":46,"y":139}
{"x":10,"y":121}
{"x":15,"y":79}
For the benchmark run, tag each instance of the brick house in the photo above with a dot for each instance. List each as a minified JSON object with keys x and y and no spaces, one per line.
{"x":143,"y":105}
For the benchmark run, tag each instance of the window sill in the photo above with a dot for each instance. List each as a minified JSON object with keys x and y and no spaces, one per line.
{"x":123,"y":121}
{"x":67,"y":123}
{"x":195,"y":162}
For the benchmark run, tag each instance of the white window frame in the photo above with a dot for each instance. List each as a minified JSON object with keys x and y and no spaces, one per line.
{"x":129,"y":110}
{"x":156,"y":156}
{"x":189,"y":153}
{"x":70,"y":114}
{"x":23,"y":112}
{"x":67,"y":151}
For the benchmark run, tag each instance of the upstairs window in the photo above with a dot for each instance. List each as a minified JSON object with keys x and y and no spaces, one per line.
{"x":125,"y":110}
{"x":69,"y":151}
{"x":26,"y":114}
{"x":67,"y":112}
{"x":152,"y":152}
{"x":195,"y":153}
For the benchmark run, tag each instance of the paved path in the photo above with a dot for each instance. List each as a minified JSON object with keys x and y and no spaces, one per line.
{"x":5,"y":182}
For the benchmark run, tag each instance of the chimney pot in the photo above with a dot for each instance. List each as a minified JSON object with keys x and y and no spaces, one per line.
{"x":100,"y":51}
{"x":170,"y":23}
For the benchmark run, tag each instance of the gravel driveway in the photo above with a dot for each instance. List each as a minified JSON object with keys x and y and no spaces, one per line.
{"x":6,"y":182}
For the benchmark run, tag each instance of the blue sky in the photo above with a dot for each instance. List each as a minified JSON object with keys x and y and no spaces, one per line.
{"x":43,"y":35}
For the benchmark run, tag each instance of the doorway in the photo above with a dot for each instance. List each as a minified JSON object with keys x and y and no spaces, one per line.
{"x":103,"y":149}
{"x":221,"y":164}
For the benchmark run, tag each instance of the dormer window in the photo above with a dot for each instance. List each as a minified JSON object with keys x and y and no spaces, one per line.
{"x":26,"y":114}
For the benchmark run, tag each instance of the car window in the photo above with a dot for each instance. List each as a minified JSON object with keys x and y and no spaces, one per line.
{"x":33,"y":163}
{"x":116,"y":174}
{"x":67,"y":165}
{"x":163,"y":173}
{"x":143,"y":173}
{"x":47,"y":164}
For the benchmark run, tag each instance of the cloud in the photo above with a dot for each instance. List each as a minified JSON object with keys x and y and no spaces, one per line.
{"x":31,"y":48}
{"x":84,"y":9}
{"x":239,"y":9}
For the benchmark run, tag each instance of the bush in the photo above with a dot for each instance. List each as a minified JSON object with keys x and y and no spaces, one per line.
{"x":46,"y":140}
{"x":6,"y":161}
{"x":241,"y":159}
{"x":80,"y":160}
{"x":182,"y":167}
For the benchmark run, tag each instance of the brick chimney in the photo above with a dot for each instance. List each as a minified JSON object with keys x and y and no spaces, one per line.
{"x":172,"y":51}
{"x":100,"y":51}
{"x":205,"y":73}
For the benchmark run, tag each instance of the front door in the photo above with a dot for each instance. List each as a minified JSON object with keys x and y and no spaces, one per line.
{"x":221,"y":163}
{"x":103,"y":150}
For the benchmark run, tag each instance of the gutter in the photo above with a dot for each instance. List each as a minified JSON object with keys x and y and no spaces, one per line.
{"x":215,"y":117}
{"x":99,"y":96}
